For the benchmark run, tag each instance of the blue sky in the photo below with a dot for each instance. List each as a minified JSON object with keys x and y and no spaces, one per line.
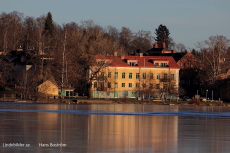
{"x":189,"y":21}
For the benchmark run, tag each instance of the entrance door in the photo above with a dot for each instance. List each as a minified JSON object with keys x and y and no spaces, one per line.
{"x":115,"y":94}
{"x":95,"y":93}
{"x":63,"y":93}
{"x":132,"y":93}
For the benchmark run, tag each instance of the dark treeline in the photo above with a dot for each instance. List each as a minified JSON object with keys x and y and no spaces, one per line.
{"x":68,"y":44}
{"x":210,"y":76}
{"x":214,"y":65}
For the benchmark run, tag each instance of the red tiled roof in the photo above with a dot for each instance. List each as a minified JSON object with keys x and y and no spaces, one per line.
{"x":142,"y":61}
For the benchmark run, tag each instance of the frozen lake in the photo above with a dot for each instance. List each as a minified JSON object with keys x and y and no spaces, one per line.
{"x":113,"y":128}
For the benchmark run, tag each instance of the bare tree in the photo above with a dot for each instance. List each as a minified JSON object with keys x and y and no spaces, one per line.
{"x":158,"y":85}
{"x":180,"y":47}
{"x":31,"y":34}
{"x":126,"y":37}
{"x":212,"y":53}
{"x":83,"y":44}
{"x":171,"y":44}
{"x":113,"y":33}
{"x":142,"y":41}
{"x":11,"y":31}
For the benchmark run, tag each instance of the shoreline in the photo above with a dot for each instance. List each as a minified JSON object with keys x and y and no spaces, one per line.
{"x":115,"y":101}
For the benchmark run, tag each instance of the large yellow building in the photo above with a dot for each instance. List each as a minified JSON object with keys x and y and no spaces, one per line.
{"x":135,"y":76}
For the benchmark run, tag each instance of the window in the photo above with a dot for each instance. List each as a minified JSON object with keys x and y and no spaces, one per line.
{"x":158,"y":76}
{"x":95,"y":84}
{"x":123,"y":75}
{"x":132,"y":63}
{"x":164,"y":87}
{"x":115,"y":85}
{"x":108,"y":84}
{"x":115,"y":75}
{"x":165,"y":76}
{"x":172,"y":76}
{"x":143,"y":85}
{"x":130,"y":85}
{"x":109,"y":74}
{"x":102,"y":75}
{"x":125,"y":93}
{"x":156,"y":64}
{"x":163,"y":64}
{"x":137,"y":75}
{"x":151,"y":76}
{"x":107,"y":63}
{"x":101,"y":86}
{"x":100,"y":62}
{"x":150,"y":86}
{"x":144,"y":75}
{"x":171,"y":86}
{"x":137,"y":85}
{"x":157,"y":86}
{"x":122,"y":84}
{"x":130,"y":75}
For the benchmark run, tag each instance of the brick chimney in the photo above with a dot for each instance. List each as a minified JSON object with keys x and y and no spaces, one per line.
{"x":155,"y":45}
{"x":141,"y":54}
{"x":115,"y":54}
{"x":163,"y":45}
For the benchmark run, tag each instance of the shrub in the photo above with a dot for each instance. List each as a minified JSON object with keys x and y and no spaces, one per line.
{"x":195,"y":101}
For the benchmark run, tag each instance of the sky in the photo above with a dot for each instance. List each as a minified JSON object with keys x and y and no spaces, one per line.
{"x":188,"y":21}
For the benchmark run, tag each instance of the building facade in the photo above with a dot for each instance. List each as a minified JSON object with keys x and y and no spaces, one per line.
{"x":135,"y":76}
{"x":48,"y":88}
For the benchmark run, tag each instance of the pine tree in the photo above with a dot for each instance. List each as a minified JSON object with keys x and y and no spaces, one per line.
{"x":48,"y":35}
{"x":162,"y":34}
{"x":49,"y":26}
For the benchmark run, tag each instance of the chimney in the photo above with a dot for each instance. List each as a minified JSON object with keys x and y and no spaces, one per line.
{"x":163,"y":45}
{"x":155,"y":45}
{"x":141,"y":54}
{"x":122,"y":56}
{"x":115,"y":54}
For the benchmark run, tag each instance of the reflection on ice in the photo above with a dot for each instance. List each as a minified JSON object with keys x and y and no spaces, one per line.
{"x":81,"y":111}
{"x":115,"y":128}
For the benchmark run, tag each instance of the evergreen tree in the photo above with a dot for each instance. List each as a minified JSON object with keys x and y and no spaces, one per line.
{"x":162,"y":35}
{"x":49,"y":26}
{"x":48,"y":35}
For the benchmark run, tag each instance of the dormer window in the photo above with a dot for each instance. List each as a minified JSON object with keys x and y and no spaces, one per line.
{"x":160,"y":62}
{"x":100,"y":62}
{"x":132,"y":63}
{"x":104,"y":62}
{"x":163,"y":64}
